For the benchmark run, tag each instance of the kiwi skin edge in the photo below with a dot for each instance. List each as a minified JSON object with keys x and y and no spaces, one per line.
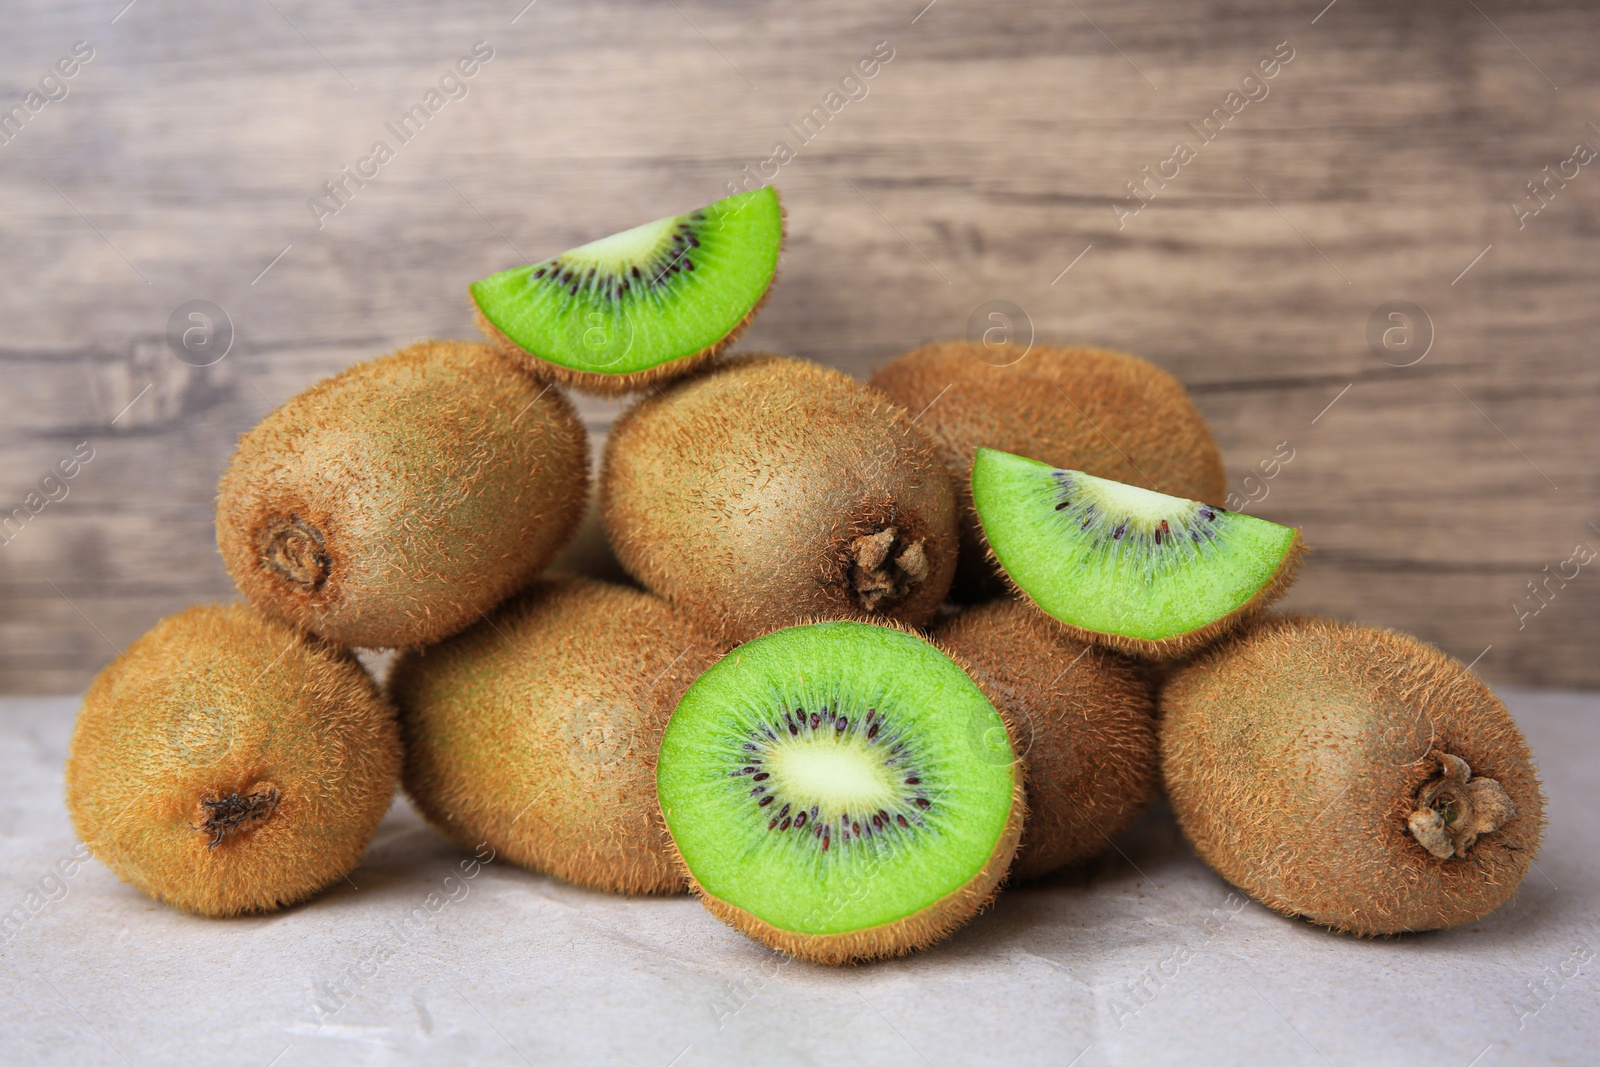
{"x":1086,"y":724}
{"x":902,"y":937}
{"x":913,"y":932}
{"x":1295,"y":752}
{"x":226,"y":763}
{"x":1184,"y":644}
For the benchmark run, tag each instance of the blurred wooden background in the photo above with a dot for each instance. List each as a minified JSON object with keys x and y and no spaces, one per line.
{"x":1388,"y":160}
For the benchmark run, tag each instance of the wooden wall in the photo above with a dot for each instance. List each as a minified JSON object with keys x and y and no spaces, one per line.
{"x":982,"y":161}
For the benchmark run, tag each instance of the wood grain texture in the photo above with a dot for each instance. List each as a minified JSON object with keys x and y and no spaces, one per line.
{"x":984,"y":159}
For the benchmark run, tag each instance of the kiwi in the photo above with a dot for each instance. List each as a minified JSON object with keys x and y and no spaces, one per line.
{"x":771,"y":491}
{"x":641,"y":306}
{"x":392,"y":504}
{"x":841,"y":791}
{"x":1111,"y":414}
{"x":1124,"y":566}
{"x":536,"y":731}
{"x":227,"y":763}
{"x":1084,"y":722}
{"x":1354,"y":776}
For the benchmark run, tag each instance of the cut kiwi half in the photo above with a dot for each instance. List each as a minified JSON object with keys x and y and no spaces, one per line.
{"x":840,"y":791}
{"x":1124,"y":566}
{"x":642,"y":305}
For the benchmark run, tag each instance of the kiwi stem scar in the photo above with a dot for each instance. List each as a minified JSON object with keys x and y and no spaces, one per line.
{"x":1455,"y":808}
{"x":884,"y":567}
{"x":294,"y":550}
{"x":236,"y":812}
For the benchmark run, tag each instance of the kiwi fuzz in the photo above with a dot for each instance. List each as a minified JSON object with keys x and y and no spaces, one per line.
{"x":536,"y":730}
{"x":392,"y":504}
{"x":1082,"y":719}
{"x":1356,"y":777}
{"x":226,"y":763}
{"x":772,"y":490}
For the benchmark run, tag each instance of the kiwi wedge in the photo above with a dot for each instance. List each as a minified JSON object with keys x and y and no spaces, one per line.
{"x":1083,"y":719}
{"x":226,"y":763}
{"x":394,"y":503}
{"x":840,"y":791}
{"x":1111,"y":414}
{"x":536,"y":730}
{"x":1124,"y":566}
{"x":642,"y":305}
{"x":1356,"y":777}
{"x":771,"y":491}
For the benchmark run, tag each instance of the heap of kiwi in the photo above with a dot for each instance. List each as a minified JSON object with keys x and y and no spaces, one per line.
{"x":227,"y":763}
{"x":536,"y":730}
{"x":839,"y":787}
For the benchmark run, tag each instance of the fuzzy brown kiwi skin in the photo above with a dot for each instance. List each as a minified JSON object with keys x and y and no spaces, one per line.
{"x":536,"y":731}
{"x":614,"y":385}
{"x":1086,"y":723}
{"x":751,"y":495}
{"x":1294,"y":751}
{"x":917,"y":931}
{"x":390,"y":505}
{"x":1106,"y":413}
{"x":1181,"y":645}
{"x":226,"y":763}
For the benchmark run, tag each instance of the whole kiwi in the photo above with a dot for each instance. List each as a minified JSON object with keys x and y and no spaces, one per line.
{"x":536,"y":730}
{"x":1106,"y":413}
{"x":1084,"y":723}
{"x":772,"y":490}
{"x":228,"y":763}
{"x":1357,"y":777}
{"x":391,"y":504}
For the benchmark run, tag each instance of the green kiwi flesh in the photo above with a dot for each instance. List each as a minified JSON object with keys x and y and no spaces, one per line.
{"x":840,"y":791}
{"x":1356,"y":777}
{"x":615,"y":313}
{"x":1136,"y":569}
